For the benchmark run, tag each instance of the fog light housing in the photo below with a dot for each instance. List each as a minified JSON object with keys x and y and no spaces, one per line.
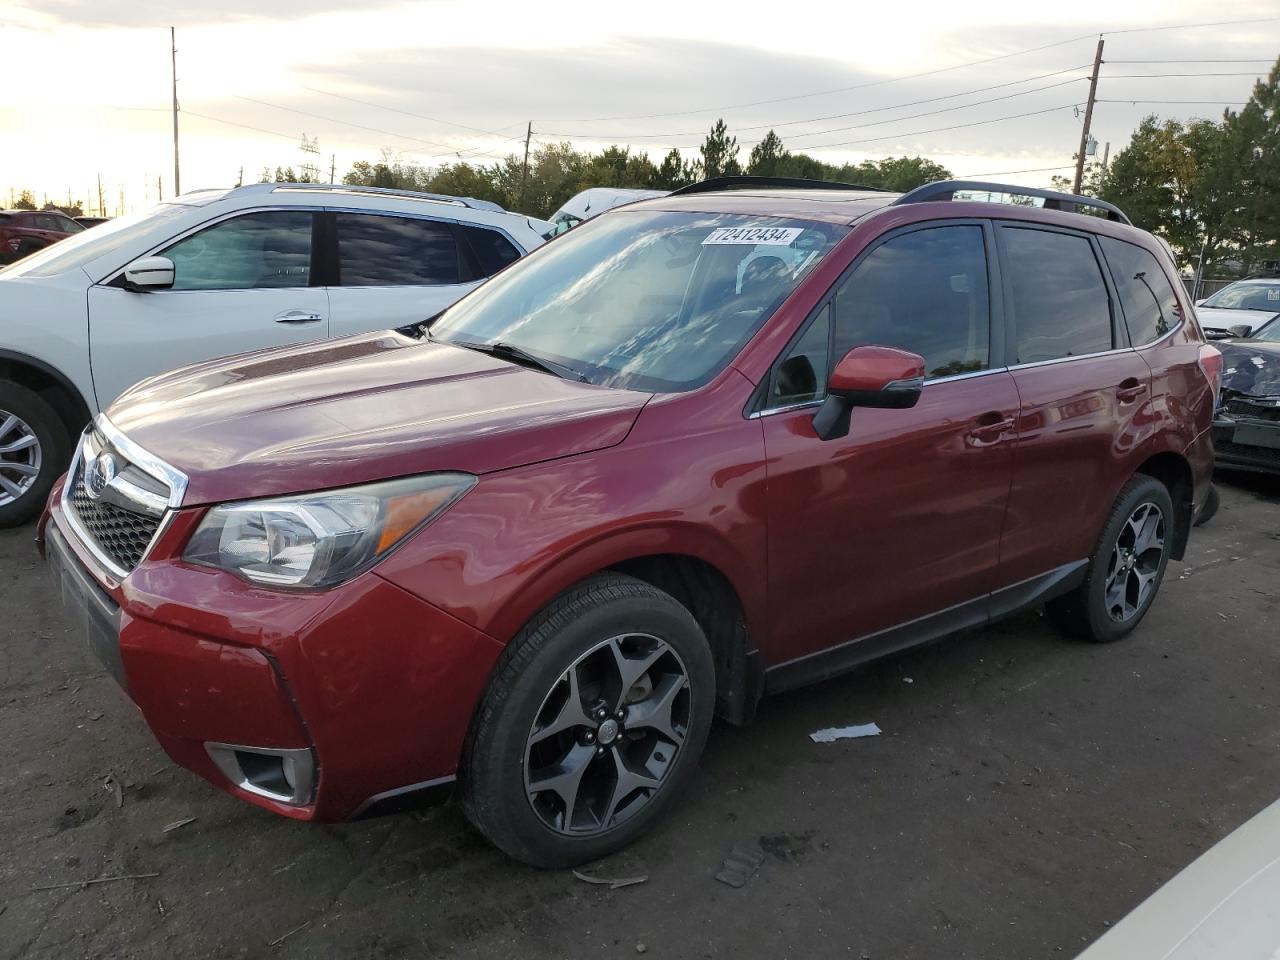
{"x":283,"y":775}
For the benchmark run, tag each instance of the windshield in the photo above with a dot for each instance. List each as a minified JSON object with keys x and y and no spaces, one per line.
{"x":79,"y":249}
{"x":644,"y":300}
{"x":1269,"y":331}
{"x":1247,"y":296}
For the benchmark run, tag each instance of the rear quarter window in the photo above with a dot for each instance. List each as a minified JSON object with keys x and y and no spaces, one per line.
{"x":493,"y":251}
{"x":1147,"y":298}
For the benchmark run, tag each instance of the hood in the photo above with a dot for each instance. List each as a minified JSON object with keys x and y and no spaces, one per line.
{"x":1250,"y":367}
{"x":365,"y":408}
{"x":1215,"y":318}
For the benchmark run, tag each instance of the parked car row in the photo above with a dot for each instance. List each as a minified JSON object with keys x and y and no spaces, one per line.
{"x":214,"y":273}
{"x":23,"y":232}
{"x":699,"y":449}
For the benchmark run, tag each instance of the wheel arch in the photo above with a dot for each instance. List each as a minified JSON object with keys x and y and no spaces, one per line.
{"x":703,"y":574}
{"x":51,"y":384}
{"x":1174,"y":471}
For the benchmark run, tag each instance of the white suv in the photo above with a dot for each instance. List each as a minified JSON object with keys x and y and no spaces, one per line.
{"x":213,"y":273}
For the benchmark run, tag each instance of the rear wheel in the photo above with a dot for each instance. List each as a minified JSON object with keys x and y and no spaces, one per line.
{"x":1127,"y":566}
{"x":592,"y":724}
{"x":33,"y":451}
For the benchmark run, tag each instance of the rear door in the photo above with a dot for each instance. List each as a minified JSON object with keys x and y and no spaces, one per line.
{"x":900,"y":519}
{"x":1083,"y":396}
{"x":392,"y":270}
{"x":241,"y":284}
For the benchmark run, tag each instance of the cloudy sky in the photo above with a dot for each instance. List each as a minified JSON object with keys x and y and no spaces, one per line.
{"x":986,"y":87}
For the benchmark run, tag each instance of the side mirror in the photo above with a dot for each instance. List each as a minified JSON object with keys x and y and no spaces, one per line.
{"x":1240,"y":330}
{"x":149,"y":273}
{"x":882,"y":377}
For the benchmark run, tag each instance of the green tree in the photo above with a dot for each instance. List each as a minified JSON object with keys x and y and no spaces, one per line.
{"x":26,"y":201}
{"x":675,"y":172}
{"x":894,"y":173}
{"x":768,"y":157}
{"x":720,"y":153}
{"x":555,"y":172}
{"x":464,"y":180}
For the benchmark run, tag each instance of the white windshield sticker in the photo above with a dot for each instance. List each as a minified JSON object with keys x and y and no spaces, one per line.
{"x":771,"y":236}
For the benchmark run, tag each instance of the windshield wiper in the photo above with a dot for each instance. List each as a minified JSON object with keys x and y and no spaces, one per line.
{"x":508,"y":351}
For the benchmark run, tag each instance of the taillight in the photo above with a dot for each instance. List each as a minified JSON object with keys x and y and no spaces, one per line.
{"x":1210,"y":361}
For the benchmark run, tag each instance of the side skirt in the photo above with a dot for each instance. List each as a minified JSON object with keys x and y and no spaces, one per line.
{"x":833,"y":661}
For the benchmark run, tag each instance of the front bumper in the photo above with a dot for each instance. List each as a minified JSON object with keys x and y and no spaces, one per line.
{"x":364,"y":692}
{"x":1248,"y":439}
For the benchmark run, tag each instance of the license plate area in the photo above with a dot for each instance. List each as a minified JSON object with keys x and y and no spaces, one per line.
{"x":94,"y":614}
{"x":1250,"y":435}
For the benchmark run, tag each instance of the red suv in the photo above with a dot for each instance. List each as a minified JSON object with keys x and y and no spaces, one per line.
{"x":699,"y":449}
{"x":26,"y":231}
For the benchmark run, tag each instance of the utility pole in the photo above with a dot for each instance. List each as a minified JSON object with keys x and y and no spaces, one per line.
{"x":524,"y":173}
{"x":173,"y":43}
{"x":333,"y":168}
{"x":102,"y":204}
{"x":240,"y":179}
{"x":1088,"y":118}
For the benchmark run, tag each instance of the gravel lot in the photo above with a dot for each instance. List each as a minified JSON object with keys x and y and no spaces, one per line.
{"x":1027,"y":792}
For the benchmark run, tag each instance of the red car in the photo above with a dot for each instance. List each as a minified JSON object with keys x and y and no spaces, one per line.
{"x":26,"y":231}
{"x":697,"y":450}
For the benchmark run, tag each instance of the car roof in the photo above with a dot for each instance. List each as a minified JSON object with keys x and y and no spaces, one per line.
{"x":828,"y":206}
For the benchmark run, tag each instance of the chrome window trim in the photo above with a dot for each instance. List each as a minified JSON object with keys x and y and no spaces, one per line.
{"x":1083,"y":356}
{"x":928,"y":381}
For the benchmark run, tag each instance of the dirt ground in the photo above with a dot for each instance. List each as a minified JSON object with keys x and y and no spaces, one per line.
{"x":1027,"y":792}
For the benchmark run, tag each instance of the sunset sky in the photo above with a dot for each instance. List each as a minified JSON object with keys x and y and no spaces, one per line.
{"x":444,"y":80}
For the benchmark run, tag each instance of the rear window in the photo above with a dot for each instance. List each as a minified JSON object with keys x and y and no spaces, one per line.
{"x":1150,"y":306}
{"x":492,"y":249}
{"x":1060,"y":303}
{"x":375,"y":251}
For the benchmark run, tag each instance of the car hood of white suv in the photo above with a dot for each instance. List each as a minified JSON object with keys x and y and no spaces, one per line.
{"x":1225,"y":906}
{"x":1216,"y":318}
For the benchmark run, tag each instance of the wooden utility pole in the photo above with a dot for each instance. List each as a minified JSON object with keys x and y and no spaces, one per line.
{"x":333,"y":168}
{"x":524,"y":173}
{"x":1088,"y":118}
{"x":173,"y":43}
{"x":102,"y":203}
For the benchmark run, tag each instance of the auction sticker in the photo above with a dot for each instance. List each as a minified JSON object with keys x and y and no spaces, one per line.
{"x":771,"y":236}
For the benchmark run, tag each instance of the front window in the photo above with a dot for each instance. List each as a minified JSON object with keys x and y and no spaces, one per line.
{"x":1269,"y":331}
{"x":1247,"y":296}
{"x":253,"y":251}
{"x":646,"y":300}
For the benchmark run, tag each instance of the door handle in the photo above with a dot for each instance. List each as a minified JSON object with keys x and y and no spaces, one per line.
{"x":989,"y":428}
{"x":1130,"y":390}
{"x":298,"y":316}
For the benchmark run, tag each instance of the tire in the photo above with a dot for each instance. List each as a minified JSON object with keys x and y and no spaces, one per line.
{"x":32,"y":436}
{"x":1210,"y":507}
{"x":1093,"y":611}
{"x":524,"y":734}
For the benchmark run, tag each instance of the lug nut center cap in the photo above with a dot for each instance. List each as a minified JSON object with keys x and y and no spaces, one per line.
{"x":608,"y":732}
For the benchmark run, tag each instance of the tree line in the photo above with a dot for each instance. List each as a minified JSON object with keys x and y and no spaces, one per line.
{"x":558,"y":171}
{"x":1205,"y":185}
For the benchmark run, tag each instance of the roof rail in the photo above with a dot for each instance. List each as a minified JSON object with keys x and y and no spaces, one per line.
{"x":730,"y":183}
{"x":1053,"y":200}
{"x":350,"y":189}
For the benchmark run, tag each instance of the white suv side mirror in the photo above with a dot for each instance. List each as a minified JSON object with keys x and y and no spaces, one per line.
{"x":149,"y":273}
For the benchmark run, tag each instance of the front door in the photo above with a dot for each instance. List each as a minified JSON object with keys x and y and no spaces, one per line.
{"x":239,"y":285}
{"x":902,"y":518}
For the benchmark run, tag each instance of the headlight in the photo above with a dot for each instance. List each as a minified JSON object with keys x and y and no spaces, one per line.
{"x":320,"y":539}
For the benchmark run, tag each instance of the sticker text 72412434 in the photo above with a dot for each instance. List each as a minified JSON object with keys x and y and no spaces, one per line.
{"x":772,"y":236}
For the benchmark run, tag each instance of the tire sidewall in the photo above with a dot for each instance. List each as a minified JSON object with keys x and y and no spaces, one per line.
{"x":1138,"y":492}
{"x":497,"y":768}
{"x":54,"y":446}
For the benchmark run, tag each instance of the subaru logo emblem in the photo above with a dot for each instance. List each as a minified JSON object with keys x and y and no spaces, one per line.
{"x":98,"y":474}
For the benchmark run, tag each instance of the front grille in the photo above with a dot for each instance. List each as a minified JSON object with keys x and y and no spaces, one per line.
{"x":114,"y":531}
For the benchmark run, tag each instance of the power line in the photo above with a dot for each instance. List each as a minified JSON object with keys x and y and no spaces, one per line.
{"x":958,"y":126}
{"x":230,"y":123}
{"x":410,"y":113}
{"x":1152,"y":76}
{"x":823,"y":93}
{"x":1191,"y":61}
{"x":1216,"y":103}
{"x":832,"y":116}
{"x":1009,"y":173}
{"x":1190,"y":26}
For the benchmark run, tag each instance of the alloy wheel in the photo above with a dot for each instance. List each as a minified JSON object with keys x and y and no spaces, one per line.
{"x":1135,"y":562}
{"x":607,"y":735}
{"x":20,"y":457}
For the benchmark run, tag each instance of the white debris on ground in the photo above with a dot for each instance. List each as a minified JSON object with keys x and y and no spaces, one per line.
{"x":832,"y":734}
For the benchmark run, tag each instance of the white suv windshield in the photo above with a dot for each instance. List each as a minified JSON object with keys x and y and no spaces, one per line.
{"x":644,"y":300}
{"x":1247,"y":296}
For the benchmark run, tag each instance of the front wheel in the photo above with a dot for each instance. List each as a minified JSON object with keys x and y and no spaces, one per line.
{"x":592,"y":724}
{"x":1127,"y":566}
{"x":33,"y":452}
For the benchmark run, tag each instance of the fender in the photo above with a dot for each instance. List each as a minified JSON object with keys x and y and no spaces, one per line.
{"x":80,"y":408}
